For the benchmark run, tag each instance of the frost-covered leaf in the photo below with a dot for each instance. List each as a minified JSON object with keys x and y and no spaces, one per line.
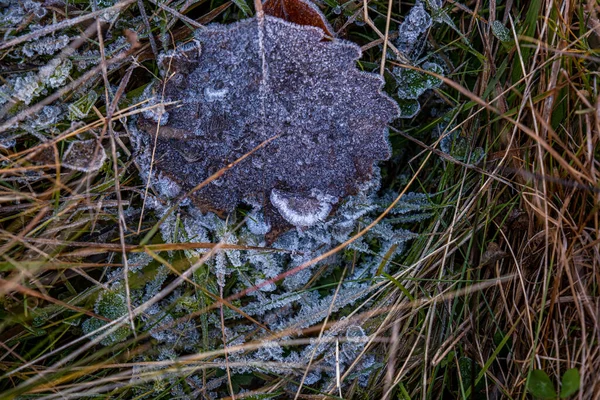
{"x":84,"y":155}
{"x":56,"y":72}
{"x":413,"y":28}
{"x":300,"y":210}
{"x":27,"y":87}
{"x":81,"y":108}
{"x":242,"y":84}
{"x":409,"y":107}
{"x":501,"y":32}
{"x":413,"y":83}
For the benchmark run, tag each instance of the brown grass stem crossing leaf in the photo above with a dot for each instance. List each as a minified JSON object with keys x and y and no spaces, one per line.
{"x":240,"y":85}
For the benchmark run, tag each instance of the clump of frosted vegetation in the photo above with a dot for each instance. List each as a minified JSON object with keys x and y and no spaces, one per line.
{"x":326,"y":120}
{"x":27,"y":87}
{"x":111,"y":304}
{"x":309,"y":190}
{"x":179,"y":328}
{"x":412,"y":41}
{"x":49,"y":68}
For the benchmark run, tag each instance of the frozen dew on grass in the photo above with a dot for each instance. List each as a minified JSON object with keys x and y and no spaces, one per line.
{"x":45,"y":46}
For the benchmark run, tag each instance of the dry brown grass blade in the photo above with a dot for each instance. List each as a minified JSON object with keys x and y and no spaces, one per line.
{"x":9,"y":287}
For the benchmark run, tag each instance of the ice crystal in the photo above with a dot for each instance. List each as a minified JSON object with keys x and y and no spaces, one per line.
{"x":328,"y":120}
{"x":256,"y":223}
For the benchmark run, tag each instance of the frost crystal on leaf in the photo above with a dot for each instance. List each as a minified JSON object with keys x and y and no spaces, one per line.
{"x":111,"y":305}
{"x":327,"y":120}
{"x":45,"y":46}
{"x":27,"y":87}
{"x":81,"y":108}
{"x":56,"y":73}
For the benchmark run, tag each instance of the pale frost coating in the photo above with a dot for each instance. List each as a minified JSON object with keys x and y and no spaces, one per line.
{"x":330,"y":119}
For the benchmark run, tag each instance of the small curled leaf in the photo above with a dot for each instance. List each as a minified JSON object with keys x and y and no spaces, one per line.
{"x":84,"y":155}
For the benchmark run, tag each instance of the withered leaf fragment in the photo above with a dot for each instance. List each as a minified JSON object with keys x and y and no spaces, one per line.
{"x":301,"y":12}
{"x":242,"y":84}
{"x":84,"y":155}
